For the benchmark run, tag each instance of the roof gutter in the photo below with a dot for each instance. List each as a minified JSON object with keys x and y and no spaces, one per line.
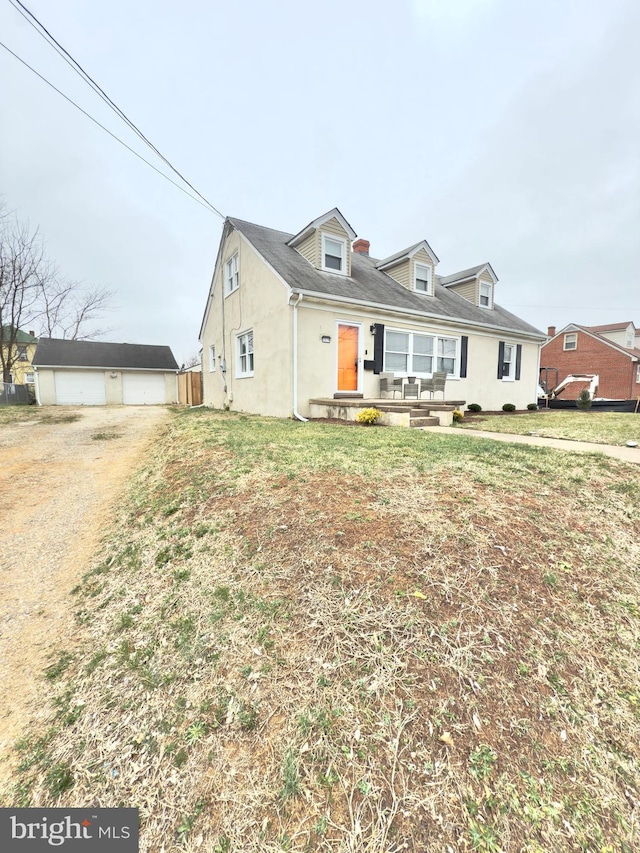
{"x":423,"y":315}
{"x":296,"y":413}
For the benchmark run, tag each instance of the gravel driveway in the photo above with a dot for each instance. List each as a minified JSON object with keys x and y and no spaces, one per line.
{"x":58,"y":484}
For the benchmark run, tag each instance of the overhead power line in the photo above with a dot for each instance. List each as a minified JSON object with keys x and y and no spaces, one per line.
{"x":106,"y":130}
{"x":39,"y":27}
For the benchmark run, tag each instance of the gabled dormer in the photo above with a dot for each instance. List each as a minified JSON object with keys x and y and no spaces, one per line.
{"x":413,"y":268}
{"x":476,"y":284}
{"x":326,"y":243}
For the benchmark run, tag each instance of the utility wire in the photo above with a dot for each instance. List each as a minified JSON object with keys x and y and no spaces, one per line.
{"x":68,"y":58}
{"x":106,"y":130}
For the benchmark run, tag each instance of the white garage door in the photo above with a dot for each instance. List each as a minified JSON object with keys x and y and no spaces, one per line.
{"x":143,"y":389}
{"x":80,"y":388}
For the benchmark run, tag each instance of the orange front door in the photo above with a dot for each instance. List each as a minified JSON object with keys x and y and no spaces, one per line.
{"x":348,"y":358}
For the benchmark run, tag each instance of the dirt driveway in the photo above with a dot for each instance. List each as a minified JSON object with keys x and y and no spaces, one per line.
{"x":58,"y":484}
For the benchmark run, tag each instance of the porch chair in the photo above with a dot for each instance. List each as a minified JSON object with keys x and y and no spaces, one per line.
{"x":389,"y":384}
{"x":426,"y":385}
{"x":439,"y":381}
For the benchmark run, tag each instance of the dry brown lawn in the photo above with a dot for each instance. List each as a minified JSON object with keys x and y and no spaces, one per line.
{"x":309,"y":637}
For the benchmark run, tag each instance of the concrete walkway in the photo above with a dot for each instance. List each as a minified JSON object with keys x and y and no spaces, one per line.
{"x":625,"y":454}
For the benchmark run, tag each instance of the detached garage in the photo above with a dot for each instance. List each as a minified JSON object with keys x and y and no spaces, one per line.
{"x":95,"y":373}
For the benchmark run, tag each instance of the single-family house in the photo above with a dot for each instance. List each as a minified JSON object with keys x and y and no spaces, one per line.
{"x":97,"y":373}
{"x":294,"y":317}
{"x":18,"y":355}
{"x":612,"y":352}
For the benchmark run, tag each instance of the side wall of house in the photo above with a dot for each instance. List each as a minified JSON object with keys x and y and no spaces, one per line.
{"x":258,"y":306}
{"x":616,"y":371}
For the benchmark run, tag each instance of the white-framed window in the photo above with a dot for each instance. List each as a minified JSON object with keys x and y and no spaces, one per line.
{"x":415,"y":354}
{"x":334,"y":254}
{"x":422,"y":278}
{"x":509,"y":363}
{"x":245,"y":354}
{"x":570,"y":341}
{"x":231,"y":275}
{"x":485,"y":294}
{"x":447,"y":352}
{"x":629,"y":340}
{"x":212,"y":358}
{"x":22,"y":353}
{"x":637,"y":373}
{"x":30,"y":378}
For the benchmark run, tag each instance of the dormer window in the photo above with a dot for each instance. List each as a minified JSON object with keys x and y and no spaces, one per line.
{"x":629,"y":340}
{"x":422,"y":278}
{"x":334,"y":254}
{"x":231,"y":275}
{"x":485,"y":294}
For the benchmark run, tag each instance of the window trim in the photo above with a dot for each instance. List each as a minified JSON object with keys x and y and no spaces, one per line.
{"x":31,"y":381}
{"x":429,"y":290}
{"x":411,"y":371}
{"x":212,"y":358}
{"x":637,"y":373}
{"x":511,"y":362}
{"x":240,"y":374}
{"x":231,"y":275}
{"x":489,"y":287}
{"x":343,"y":257}
{"x":574,"y":336}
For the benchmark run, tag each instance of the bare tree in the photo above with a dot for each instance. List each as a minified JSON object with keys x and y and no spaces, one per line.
{"x":32,"y":292}
{"x":21,"y":265}
{"x":193,"y":361}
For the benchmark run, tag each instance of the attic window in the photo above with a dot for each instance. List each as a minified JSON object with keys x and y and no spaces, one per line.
{"x":570,"y":341}
{"x":485,"y":295}
{"x":422,"y":278}
{"x":231,"y":275}
{"x":334,"y":253}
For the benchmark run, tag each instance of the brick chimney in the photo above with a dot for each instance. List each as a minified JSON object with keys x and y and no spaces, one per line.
{"x":361,"y":247}
{"x":551,"y":331}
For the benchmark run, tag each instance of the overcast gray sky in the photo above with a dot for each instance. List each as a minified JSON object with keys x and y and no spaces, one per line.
{"x":499,"y":130}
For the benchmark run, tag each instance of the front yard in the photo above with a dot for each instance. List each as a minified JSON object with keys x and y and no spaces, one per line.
{"x":600,"y":427}
{"x":307,"y":637}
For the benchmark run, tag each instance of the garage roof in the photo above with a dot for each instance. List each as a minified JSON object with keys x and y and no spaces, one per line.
{"x":53,"y":352}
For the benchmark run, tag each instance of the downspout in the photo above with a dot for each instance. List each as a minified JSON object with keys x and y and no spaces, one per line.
{"x":296,"y":413}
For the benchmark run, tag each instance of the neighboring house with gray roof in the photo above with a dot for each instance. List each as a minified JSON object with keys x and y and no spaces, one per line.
{"x":312,"y":315}
{"x":97,"y":373}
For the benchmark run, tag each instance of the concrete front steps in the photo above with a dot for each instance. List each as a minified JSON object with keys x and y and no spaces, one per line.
{"x":407,"y":413}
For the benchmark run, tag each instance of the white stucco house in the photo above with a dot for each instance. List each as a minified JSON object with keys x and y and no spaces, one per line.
{"x":290,"y":318}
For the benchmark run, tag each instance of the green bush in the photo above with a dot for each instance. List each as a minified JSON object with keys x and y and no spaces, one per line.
{"x":474,"y":407}
{"x":368,"y":416}
{"x":584,"y":400}
{"x":508,"y":407}
{"x":533,"y":407}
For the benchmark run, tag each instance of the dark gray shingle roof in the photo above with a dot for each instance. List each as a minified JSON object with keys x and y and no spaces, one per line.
{"x":369,"y":285}
{"x":53,"y":352}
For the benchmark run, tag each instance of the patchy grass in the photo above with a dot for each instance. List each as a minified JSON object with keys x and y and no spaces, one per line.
{"x":107,"y":435}
{"x":599,"y":427}
{"x":314,"y":638}
{"x":36,"y":415}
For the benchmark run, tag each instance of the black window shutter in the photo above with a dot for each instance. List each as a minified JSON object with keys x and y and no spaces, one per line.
{"x":500,"y":358}
{"x":464,"y":346}
{"x":378,"y":348}
{"x":518,"y":360}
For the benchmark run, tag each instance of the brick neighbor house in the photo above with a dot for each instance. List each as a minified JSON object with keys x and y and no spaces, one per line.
{"x":611,"y":351}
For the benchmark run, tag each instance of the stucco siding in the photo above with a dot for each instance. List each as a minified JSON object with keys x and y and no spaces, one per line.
{"x":259,"y":305}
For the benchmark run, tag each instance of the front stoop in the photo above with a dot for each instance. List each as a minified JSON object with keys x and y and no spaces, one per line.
{"x":417,"y":418}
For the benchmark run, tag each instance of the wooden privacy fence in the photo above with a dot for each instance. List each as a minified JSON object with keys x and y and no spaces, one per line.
{"x":190,"y":388}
